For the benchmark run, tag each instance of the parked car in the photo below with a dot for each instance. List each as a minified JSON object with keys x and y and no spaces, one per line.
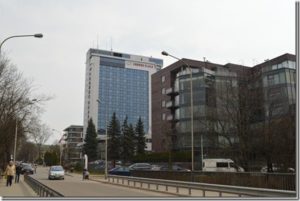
{"x":156,"y":167}
{"x":27,"y":169}
{"x":174,"y":168}
{"x":121,"y":170}
{"x":140,"y":166}
{"x":277,"y":168}
{"x":56,"y":172}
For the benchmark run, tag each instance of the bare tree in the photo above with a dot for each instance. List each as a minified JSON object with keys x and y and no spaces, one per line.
{"x":40,"y":135}
{"x":16,"y":108}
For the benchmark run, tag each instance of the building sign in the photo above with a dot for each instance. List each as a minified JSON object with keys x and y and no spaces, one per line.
{"x":139,"y":65}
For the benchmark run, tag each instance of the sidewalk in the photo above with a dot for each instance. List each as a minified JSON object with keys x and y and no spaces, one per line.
{"x":20,"y":189}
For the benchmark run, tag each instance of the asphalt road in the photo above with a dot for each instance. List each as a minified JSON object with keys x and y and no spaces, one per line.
{"x":74,"y":186}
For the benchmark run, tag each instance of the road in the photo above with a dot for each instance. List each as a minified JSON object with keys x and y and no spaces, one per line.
{"x":74,"y":186}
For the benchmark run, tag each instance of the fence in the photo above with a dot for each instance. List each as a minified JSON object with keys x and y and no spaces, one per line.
{"x":197,"y":189}
{"x":41,"y":189}
{"x":280,"y":181}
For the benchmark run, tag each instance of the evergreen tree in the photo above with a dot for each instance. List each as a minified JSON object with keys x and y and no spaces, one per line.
{"x":123,"y":141}
{"x":114,"y":134}
{"x":51,"y":158}
{"x":91,"y":142}
{"x":131,"y":142}
{"x":128,"y":142}
{"x":140,"y":137}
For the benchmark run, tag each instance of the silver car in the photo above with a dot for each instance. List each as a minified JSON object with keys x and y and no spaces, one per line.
{"x":56,"y":172}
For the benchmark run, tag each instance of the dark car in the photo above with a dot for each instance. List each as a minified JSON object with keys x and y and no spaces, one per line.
{"x":140,"y":166}
{"x":174,"y":168}
{"x":27,"y":169}
{"x":124,"y":171}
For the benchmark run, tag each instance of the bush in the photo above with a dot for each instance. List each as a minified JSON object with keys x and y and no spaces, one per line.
{"x":78,"y":167}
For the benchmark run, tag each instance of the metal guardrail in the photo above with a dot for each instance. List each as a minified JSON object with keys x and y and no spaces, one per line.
{"x":221,"y":190}
{"x":41,"y":189}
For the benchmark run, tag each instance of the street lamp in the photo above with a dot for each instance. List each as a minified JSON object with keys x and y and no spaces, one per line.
{"x":106,"y":161}
{"x":38,"y":35}
{"x":62,"y":142}
{"x":16,"y":131}
{"x":192,"y":105}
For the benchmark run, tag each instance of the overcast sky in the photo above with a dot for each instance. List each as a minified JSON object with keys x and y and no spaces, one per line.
{"x":237,"y":31}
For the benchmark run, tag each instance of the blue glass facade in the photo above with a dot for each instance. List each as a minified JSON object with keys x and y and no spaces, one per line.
{"x":123,"y":91}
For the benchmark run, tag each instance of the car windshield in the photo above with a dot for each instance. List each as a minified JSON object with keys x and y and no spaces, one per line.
{"x":57,"y":168}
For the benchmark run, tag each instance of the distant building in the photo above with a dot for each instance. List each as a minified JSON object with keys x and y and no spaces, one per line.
{"x":270,"y":89}
{"x":73,"y":135}
{"x":121,"y":83}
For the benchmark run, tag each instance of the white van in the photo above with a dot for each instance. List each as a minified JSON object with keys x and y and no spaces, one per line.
{"x":220,"y":165}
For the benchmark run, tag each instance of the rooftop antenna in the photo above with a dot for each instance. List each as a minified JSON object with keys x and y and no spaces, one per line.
{"x":97,"y":42}
{"x":111,"y":44}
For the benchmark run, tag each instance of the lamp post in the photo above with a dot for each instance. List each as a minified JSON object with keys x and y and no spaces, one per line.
{"x":38,"y":35}
{"x":106,"y":161}
{"x":192,"y":105}
{"x":61,"y":142}
{"x":16,"y":132}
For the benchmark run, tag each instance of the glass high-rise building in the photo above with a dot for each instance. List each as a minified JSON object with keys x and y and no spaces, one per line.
{"x":120,"y":83}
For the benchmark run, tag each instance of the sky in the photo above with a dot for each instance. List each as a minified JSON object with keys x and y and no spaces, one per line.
{"x":237,"y":31}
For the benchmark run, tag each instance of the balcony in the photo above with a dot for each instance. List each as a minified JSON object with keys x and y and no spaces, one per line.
{"x":171,"y":91}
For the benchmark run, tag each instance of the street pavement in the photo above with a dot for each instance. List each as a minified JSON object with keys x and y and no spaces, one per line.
{"x":20,"y":189}
{"x":74,"y":186}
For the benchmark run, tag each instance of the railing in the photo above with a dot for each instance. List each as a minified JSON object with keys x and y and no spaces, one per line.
{"x":41,"y":189}
{"x":278,"y":181}
{"x":197,"y":189}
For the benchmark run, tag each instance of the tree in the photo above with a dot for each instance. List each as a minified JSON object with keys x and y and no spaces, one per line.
{"x":114,"y":133}
{"x":140,"y":137}
{"x":128,"y":142}
{"x":40,"y":134}
{"x":91,"y":142}
{"x":237,"y":106}
{"x":167,"y":142}
{"x":27,"y":152}
{"x":16,"y":109}
{"x":51,"y":158}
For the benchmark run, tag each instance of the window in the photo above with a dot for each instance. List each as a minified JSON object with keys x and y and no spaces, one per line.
{"x":163,"y":79}
{"x":163,"y":117}
{"x":222,"y":164}
{"x":163,"y":91}
{"x":163,"y":103}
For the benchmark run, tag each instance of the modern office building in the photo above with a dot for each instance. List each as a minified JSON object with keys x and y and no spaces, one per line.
{"x":121,"y":83}
{"x":70,"y":151}
{"x":224,"y":98}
